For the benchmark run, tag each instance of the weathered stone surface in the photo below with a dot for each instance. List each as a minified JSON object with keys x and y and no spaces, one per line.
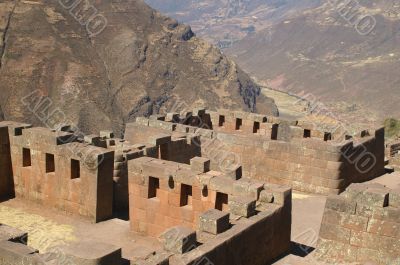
{"x":371,"y":233}
{"x":341,"y":204}
{"x":8,"y":233}
{"x":92,"y":253}
{"x":214,"y":222}
{"x":179,"y":239}
{"x":242,"y":206}
{"x":200,"y":164}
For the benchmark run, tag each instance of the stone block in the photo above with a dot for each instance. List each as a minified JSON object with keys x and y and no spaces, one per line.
{"x":222,"y":184}
{"x":199,"y":112}
{"x":92,"y":139}
{"x":384,"y":228}
{"x":107,"y":134}
{"x":157,"y":117}
{"x":354,"y":222}
{"x":335,"y":233}
{"x":179,"y":239}
{"x":266,"y":196}
{"x":214,"y":222}
{"x":394,"y":198}
{"x":172,"y":117}
{"x":282,"y":194}
{"x":12,"y":253}
{"x":160,"y":139}
{"x":234,"y":172}
{"x":8,"y":233}
{"x":375,"y":197}
{"x":200,"y":164}
{"x":161,"y":258}
{"x":341,"y":204}
{"x":242,"y":206}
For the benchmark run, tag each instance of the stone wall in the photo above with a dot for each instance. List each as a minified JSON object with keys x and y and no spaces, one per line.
{"x":53,"y":169}
{"x":393,"y":148}
{"x":177,"y":147}
{"x":361,"y":225}
{"x":205,"y":216}
{"x":6,"y":177}
{"x":283,"y":153}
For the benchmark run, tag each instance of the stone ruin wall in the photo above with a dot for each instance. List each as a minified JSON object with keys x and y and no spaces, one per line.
{"x":270,"y":152}
{"x":52,"y":169}
{"x":216,"y":224}
{"x":393,"y":154}
{"x":361,"y":225}
{"x":217,"y":212}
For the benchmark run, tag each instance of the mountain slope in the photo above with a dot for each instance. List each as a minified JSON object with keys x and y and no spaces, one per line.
{"x":223,"y":22}
{"x":322,"y":53}
{"x":141,"y":63}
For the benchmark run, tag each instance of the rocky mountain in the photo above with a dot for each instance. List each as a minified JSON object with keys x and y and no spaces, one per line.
{"x":99,"y":64}
{"x":343,"y":54}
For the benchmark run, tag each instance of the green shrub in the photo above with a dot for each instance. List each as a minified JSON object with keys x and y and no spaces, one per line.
{"x":392,"y":127}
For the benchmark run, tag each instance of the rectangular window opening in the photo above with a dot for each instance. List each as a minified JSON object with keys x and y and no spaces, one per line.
{"x":154,"y":185}
{"x":75,"y":169}
{"x":186,"y":195}
{"x":238,"y":124}
{"x":50,"y":165}
{"x":26,"y":157}
{"x":327,"y":137}
{"x":256,"y":127}
{"x":274,"y":133}
{"x":221,"y":201}
{"x":221,"y":121}
{"x":307,"y":133}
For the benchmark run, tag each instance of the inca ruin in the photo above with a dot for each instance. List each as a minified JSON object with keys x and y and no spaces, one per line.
{"x":201,"y":183}
{"x":175,"y":132}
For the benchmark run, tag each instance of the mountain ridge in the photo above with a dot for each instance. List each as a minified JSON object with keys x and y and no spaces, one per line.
{"x":141,"y":63}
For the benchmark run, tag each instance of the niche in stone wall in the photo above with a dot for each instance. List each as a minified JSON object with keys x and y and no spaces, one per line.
{"x":221,"y":120}
{"x":221,"y":201}
{"x":256,"y":127}
{"x":26,"y":157}
{"x":274,"y":132}
{"x":186,"y":195}
{"x":75,"y":169}
{"x":327,"y":137}
{"x":238,"y":124}
{"x":50,"y":164}
{"x":154,"y":186}
{"x":307,"y":133}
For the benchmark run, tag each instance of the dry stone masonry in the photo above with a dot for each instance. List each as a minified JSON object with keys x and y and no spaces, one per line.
{"x":202,"y":183}
{"x":361,"y":225}
{"x":198,"y":214}
{"x":268,"y":148}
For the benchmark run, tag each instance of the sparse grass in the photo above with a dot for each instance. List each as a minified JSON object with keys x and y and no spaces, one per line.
{"x":43,"y":234}
{"x":392,"y":127}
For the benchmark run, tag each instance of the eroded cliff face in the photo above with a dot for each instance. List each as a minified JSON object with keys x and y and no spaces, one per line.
{"x":102,"y":72}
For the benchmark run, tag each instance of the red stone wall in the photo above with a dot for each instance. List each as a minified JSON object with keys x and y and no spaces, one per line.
{"x":307,"y":164}
{"x":62,"y":174}
{"x":152,"y":215}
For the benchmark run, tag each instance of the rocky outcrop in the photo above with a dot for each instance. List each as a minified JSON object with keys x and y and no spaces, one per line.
{"x":102,"y":71}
